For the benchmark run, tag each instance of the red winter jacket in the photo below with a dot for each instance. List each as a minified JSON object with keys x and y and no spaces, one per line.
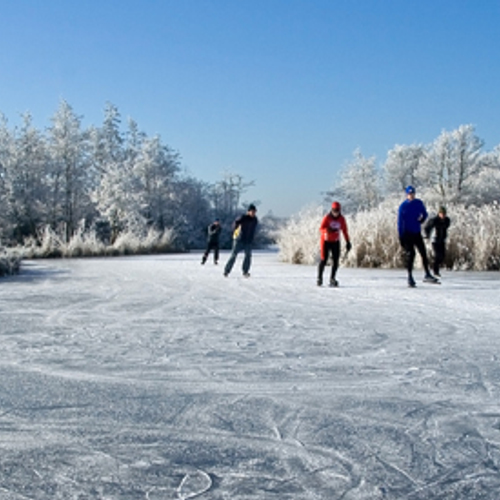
{"x":331,"y":226}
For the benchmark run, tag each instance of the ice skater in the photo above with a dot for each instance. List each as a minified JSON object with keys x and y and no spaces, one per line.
{"x":440,"y":224}
{"x":243,"y":233}
{"x":332,"y":225}
{"x":411,"y":215}
{"x":213,"y":233}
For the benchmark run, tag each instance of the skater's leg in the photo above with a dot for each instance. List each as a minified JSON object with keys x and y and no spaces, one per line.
{"x":335,"y":251}
{"x":216,"y":254}
{"x":439,"y":252}
{"x":232,"y":257}
{"x":205,"y":255}
{"x":322,"y":262}
{"x":247,"y":260}
{"x":419,"y":243}
{"x":409,"y":249}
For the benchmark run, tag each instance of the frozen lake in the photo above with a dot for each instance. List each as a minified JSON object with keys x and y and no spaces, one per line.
{"x":157,"y":378}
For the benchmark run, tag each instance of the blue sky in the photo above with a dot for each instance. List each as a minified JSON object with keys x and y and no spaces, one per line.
{"x":280,"y":91}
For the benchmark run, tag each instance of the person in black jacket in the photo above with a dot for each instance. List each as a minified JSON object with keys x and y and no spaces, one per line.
{"x":244,"y":231}
{"x":213,"y":232}
{"x":440,"y":225}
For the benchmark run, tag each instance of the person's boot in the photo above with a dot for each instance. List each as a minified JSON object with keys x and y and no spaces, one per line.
{"x":428,"y":278}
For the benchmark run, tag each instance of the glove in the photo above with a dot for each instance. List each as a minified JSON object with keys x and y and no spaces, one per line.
{"x":348,"y":246}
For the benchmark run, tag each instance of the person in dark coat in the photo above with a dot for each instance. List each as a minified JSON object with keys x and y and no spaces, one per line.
{"x":439,"y":225}
{"x":213,"y":233}
{"x":243,"y":233}
{"x":411,"y":215}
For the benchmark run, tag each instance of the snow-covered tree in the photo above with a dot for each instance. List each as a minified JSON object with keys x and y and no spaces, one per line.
{"x":112,"y":165}
{"x":6,"y":148}
{"x":484,"y":187}
{"x":226,"y":194}
{"x":106,"y":142}
{"x":69,"y":170}
{"x":401,"y":167}
{"x":154,"y":173}
{"x":192,"y":211}
{"x":450,"y":164}
{"x":359,"y":185}
{"x":27,"y":176}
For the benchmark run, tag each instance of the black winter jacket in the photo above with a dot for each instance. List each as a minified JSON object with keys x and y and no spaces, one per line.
{"x":440,"y":226}
{"x":213,"y":233}
{"x":244,"y":228}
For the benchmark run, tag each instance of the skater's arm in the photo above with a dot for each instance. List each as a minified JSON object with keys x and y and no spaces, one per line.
{"x":429,"y":226}
{"x":345,"y":232}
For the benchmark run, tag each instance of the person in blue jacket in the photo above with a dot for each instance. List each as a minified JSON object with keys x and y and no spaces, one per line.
{"x":411,"y":215}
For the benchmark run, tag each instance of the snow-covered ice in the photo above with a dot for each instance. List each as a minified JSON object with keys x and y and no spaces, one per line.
{"x":157,"y":378}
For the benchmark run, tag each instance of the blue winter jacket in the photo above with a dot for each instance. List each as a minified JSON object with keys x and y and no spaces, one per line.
{"x":410,"y":217}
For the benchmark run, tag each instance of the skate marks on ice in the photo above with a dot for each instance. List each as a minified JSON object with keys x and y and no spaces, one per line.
{"x":121,"y":441}
{"x":145,"y":378}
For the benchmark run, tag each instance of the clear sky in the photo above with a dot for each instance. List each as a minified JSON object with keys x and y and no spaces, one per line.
{"x":280,"y":91}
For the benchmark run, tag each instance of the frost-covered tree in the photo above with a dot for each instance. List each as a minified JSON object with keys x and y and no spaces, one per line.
{"x":191,"y":210}
{"x":23,"y":164}
{"x":154,"y":175}
{"x":226,"y":194}
{"x":26,"y":180}
{"x":401,"y":167}
{"x":6,"y":148}
{"x":99,"y":184}
{"x":106,"y":142}
{"x":485,"y":186}
{"x":226,"y":198}
{"x":69,"y":170}
{"x":450,"y":164}
{"x":359,"y":186}
{"x":112,"y":166}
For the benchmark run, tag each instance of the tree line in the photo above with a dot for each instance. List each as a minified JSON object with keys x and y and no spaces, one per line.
{"x":453,"y":170}
{"x":105,"y":181}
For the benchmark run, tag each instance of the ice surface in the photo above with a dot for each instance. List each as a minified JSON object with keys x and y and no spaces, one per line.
{"x":157,"y":378}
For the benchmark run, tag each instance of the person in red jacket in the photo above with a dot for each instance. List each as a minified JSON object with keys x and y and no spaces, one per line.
{"x":332,"y":225}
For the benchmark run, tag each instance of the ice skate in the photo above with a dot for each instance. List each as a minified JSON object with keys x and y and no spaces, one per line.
{"x":428,"y":278}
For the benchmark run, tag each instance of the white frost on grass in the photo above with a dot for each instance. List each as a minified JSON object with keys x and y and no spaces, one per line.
{"x":156,"y":377}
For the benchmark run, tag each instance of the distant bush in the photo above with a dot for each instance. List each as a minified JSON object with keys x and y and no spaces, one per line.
{"x":473,"y":239}
{"x":86,"y":243}
{"x":298,"y":238}
{"x":10,"y":262}
{"x":375,"y":238}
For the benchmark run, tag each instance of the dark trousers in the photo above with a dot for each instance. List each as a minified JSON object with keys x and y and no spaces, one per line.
{"x":212,"y":246}
{"x":439,"y":249}
{"x":238,"y":246}
{"x":410,"y":242}
{"x":329,"y":248}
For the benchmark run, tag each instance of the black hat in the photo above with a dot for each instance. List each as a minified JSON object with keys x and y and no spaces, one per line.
{"x":252,"y":207}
